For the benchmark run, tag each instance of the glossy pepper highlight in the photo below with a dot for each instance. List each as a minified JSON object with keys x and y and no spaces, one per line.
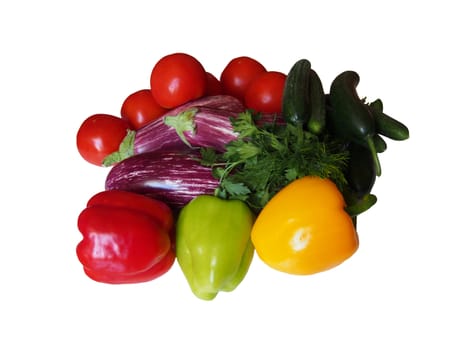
{"x":126,"y":238}
{"x":214,"y":249}
{"x":304,"y":228}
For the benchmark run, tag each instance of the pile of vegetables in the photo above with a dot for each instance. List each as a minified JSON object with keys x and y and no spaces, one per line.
{"x":205,"y":172}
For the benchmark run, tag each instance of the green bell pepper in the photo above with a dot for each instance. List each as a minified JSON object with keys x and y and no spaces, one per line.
{"x":213,"y":244}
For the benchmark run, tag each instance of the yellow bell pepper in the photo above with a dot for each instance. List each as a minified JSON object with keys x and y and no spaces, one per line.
{"x":304,"y":228}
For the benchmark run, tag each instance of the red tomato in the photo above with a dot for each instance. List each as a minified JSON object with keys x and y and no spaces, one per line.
{"x":214,"y":86}
{"x":140,"y":108}
{"x":264,"y":94}
{"x":99,"y":135}
{"x":238,"y":74}
{"x":176,"y":79}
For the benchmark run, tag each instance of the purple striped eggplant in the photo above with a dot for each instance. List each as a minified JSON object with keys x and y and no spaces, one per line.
{"x":222,"y":102}
{"x":173,"y":177}
{"x":204,"y":122}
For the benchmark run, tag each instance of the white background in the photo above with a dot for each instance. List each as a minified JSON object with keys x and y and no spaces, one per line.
{"x":405,"y":287}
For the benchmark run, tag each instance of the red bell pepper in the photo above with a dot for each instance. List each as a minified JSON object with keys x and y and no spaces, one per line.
{"x":127,"y":237}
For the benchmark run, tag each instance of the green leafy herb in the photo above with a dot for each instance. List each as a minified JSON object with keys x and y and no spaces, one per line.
{"x":264,"y":159}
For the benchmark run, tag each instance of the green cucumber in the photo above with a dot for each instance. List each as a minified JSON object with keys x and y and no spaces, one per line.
{"x":350,"y":117}
{"x":386,"y":125}
{"x":380,"y":144}
{"x":317,"y":118}
{"x":361,"y":171}
{"x":390,"y":127}
{"x":296,"y":94}
{"x":361,"y":205}
{"x":376,"y":105}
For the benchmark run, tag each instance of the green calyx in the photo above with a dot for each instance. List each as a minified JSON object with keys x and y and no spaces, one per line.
{"x":125,"y":150}
{"x":183,"y":122}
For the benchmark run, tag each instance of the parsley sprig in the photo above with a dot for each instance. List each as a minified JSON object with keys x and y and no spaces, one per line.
{"x":267,"y":156}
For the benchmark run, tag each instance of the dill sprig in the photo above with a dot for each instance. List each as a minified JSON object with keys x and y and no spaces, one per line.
{"x":264,"y":159}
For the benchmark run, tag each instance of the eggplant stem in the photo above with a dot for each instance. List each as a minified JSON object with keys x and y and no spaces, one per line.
{"x":125,"y":150}
{"x":183,"y":122}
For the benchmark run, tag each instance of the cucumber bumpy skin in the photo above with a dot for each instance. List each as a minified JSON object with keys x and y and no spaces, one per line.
{"x":361,"y":171}
{"x":350,"y":117}
{"x":386,"y":125}
{"x":380,"y":143}
{"x":390,"y":127}
{"x":296,"y":96}
{"x":360,"y":206}
{"x":317,"y":119}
